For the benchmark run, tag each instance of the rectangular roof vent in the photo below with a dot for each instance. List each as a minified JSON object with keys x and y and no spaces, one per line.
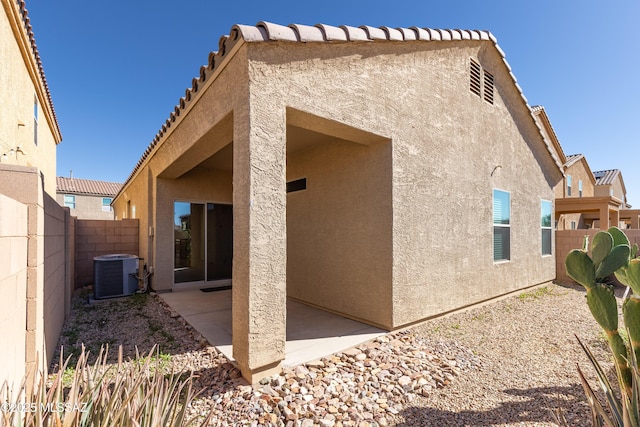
{"x":474,"y":77}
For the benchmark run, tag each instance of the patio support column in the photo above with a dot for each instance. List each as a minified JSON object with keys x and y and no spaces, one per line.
{"x":615,"y":218}
{"x":604,"y":217}
{"x":635,"y":222}
{"x":259,"y":240}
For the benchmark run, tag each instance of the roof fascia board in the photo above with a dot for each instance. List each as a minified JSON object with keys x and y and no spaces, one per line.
{"x":185,"y":112}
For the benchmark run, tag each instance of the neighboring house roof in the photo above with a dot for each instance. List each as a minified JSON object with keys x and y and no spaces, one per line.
{"x":26,"y":26}
{"x":320,"y":33}
{"x":87,"y":186}
{"x":606,"y":177}
{"x":541,"y":113}
{"x":572,"y":158}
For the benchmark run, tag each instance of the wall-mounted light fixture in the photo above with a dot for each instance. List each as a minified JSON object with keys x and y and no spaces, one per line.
{"x":12,"y":151}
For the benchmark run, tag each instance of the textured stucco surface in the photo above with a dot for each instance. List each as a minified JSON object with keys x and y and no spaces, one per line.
{"x":446,"y":143}
{"x":17,"y":92}
{"x":87,"y":207}
{"x":400,"y":160}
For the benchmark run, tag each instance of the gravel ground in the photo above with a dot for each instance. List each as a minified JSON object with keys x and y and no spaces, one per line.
{"x":507,"y":363}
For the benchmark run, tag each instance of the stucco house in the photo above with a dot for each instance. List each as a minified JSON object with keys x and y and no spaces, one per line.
{"x":29,"y":131}
{"x":387,"y":175}
{"x":586,"y":199}
{"x":87,"y":198}
{"x":34,"y":284}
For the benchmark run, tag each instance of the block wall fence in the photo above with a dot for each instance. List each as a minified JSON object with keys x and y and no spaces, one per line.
{"x":101,"y":237}
{"x":566,"y":240}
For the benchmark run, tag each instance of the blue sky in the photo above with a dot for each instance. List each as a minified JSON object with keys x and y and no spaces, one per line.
{"x":117,"y":68}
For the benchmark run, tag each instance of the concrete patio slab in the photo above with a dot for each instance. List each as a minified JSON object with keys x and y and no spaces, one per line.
{"x":311,"y":333}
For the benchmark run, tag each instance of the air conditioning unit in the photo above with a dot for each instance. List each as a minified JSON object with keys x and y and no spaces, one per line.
{"x":114,"y":275}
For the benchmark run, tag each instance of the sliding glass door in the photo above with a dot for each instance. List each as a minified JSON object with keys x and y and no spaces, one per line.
{"x":203,"y":242}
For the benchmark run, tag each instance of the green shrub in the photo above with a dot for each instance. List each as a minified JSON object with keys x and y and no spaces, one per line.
{"x":125,"y":394}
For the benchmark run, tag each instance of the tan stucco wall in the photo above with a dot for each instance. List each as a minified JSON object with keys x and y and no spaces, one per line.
{"x":13,"y":292}
{"x":578,"y":173}
{"x":17,"y":91}
{"x":87,"y":207}
{"x":339,"y":229}
{"x":616,"y":186}
{"x":446,"y":143}
{"x":416,"y":193}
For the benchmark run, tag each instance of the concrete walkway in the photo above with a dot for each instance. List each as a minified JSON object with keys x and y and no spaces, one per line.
{"x":311,"y":333}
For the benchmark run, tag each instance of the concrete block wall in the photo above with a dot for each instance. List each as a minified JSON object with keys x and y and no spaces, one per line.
{"x":101,"y":237}
{"x":57,"y":284}
{"x":566,"y":240}
{"x":13,"y":292}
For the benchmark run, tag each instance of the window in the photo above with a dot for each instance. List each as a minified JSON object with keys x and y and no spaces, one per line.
{"x":573,"y":225}
{"x":70,"y":201}
{"x":580,"y":188}
{"x":545,"y":223}
{"x":106,"y":204}
{"x":611,"y":192}
{"x":501,"y":225}
{"x":568,"y":185}
{"x":35,"y":120}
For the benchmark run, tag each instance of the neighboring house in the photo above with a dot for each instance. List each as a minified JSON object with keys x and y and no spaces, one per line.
{"x":584,"y":199}
{"x":29,"y":129}
{"x":87,"y":198}
{"x":388,"y":175}
{"x":34,"y":280}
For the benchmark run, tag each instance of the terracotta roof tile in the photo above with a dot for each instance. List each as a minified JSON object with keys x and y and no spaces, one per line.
{"x":266,"y":32}
{"x":87,"y":186}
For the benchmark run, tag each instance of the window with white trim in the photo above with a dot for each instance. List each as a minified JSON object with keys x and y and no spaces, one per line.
{"x":501,"y":225}
{"x":545,"y":224}
{"x":70,"y":201}
{"x":580,"y":188}
{"x":568,"y":185}
{"x":106,"y":204}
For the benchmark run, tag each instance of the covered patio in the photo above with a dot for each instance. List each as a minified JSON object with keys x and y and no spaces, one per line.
{"x":311,"y":333}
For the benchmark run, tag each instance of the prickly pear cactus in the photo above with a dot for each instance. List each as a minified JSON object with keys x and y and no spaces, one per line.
{"x":610,"y":253}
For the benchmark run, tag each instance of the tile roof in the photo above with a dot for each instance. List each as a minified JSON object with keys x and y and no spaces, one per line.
{"x":319,"y":33}
{"x":572,"y":158}
{"x":24,"y":14}
{"x":86,"y":186}
{"x":606,"y":177}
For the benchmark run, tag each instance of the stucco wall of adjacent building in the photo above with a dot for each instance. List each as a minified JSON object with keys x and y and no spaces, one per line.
{"x":578,"y":173}
{"x":13,"y":292}
{"x":18,"y":90}
{"x":616,"y":186}
{"x":88,"y":206}
{"x":450,"y":149}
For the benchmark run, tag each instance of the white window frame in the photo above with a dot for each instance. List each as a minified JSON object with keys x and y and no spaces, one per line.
{"x":543,"y":227}
{"x":107,"y":207}
{"x":69,"y":204}
{"x":496,"y":225}
{"x":580,"y":188}
{"x":569,"y":185}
